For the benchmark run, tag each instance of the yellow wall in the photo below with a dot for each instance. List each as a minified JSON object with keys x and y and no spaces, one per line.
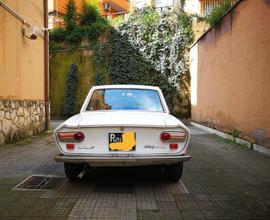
{"x":59,"y":68}
{"x":21,"y":59}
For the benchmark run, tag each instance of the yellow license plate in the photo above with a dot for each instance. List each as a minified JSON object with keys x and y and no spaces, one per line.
{"x":125,"y":141}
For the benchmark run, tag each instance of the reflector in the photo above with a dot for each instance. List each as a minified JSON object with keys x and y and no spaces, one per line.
{"x":173,"y":146}
{"x":70,"y":146}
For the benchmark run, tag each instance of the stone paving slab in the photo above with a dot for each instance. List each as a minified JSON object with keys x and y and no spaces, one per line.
{"x":145,"y":197}
{"x":222,"y":181}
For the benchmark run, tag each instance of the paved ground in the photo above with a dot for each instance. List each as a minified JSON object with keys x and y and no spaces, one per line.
{"x":222,"y":181}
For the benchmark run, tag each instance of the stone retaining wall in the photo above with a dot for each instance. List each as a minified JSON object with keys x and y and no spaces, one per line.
{"x":20,"y":119}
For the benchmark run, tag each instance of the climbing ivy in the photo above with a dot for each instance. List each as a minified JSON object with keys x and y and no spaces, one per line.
{"x":150,"y":49}
{"x":214,"y":18}
{"x":71,"y":91}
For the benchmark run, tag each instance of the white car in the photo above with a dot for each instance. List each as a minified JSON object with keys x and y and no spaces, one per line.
{"x":123,"y":125}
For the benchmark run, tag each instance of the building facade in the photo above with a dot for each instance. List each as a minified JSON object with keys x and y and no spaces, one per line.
{"x":153,"y":3}
{"x":23,"y":103}
{"x":202,"y":7}
{"x":107,"y":8}
{"x":230,"y":74}
{"x":141,"y":3}
{"x":115,"y":8}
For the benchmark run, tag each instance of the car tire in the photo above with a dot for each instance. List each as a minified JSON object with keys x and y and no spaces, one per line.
{"x":174,"y":171}
{"x":72,"y":170}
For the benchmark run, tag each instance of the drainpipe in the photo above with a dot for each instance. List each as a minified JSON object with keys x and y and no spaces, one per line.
{"x":46,"y":66}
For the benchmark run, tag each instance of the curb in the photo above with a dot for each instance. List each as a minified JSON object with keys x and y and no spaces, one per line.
{"x":250,"y":145}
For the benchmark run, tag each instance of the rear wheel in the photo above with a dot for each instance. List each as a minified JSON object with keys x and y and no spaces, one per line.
{"x":174,"y":172}
{"x":72,"y":170}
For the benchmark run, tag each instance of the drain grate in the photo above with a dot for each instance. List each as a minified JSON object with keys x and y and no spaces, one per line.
{"x":38,"y":182}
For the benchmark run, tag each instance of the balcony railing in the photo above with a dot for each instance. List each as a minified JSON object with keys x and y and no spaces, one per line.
{"x":208,"y":6}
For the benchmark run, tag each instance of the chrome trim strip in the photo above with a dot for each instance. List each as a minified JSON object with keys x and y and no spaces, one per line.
{"x":117,"y":159}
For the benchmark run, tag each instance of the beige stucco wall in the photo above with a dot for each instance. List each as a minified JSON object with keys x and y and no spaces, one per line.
{"x":230,"y":72}
{"x":21,"y":59}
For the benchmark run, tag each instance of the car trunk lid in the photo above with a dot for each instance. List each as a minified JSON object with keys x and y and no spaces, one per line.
{"x":119,"y":118}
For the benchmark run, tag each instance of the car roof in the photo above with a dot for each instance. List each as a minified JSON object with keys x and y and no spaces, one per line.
{"x":126,"y":87}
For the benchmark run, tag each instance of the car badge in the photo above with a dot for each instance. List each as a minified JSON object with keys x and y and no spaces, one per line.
{"x":122,"y":128}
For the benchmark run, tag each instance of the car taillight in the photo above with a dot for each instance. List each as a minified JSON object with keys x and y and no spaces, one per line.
{"x":71,"y":136}
{"x":79,"y":136}
{"x":165,"y":136}
{"x":70,"y":146}
{"x":173,"y":136}
{"x":173,"y":146}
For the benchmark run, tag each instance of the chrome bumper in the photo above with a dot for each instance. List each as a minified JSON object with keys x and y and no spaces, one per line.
{"x":122,"y":161}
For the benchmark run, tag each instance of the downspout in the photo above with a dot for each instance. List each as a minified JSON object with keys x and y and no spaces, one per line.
{"x":46,"y":67}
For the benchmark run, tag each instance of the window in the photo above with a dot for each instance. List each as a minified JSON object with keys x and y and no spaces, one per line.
{"x":125,"y":99}
{"x":139,"y":3}
{"x":164,"y":3}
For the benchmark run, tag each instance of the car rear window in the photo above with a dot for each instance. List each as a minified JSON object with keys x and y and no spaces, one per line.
{"x":125,"y":99}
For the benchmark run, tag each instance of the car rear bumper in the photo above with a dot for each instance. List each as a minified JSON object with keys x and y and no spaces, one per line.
{"x":122,"y":161}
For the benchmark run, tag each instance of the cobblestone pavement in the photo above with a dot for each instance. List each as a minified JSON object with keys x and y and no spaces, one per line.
{"x":222,"y":181}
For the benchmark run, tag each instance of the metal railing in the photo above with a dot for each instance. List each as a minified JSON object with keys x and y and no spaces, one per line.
{"x":208,"y":6}
{"x":12,"y":12}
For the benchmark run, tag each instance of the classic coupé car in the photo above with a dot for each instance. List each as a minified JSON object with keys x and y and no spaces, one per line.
{"x":123,"y":125}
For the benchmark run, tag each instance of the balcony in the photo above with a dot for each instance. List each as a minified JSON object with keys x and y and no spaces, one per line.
{"x":207,"y":6}
{"x":113,"y":8}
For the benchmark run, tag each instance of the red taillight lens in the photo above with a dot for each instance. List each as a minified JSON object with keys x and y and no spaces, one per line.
{"x":71,"y":136}
{"x":165,"y":136}
{"x":70,"y":146}
{"x":173,"y":146}
{"x":79,"y":136}
{"x":173,"y":136}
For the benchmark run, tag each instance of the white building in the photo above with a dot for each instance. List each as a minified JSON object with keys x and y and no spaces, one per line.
{"x":202,"y":7}
{"x":140,"y":3}
{"x":192,"y":6}
{"x":154,"y":3}
{"x":165,"y":3}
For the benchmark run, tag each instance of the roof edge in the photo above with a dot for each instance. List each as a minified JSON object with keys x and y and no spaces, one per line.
{"x":125,"y":86}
